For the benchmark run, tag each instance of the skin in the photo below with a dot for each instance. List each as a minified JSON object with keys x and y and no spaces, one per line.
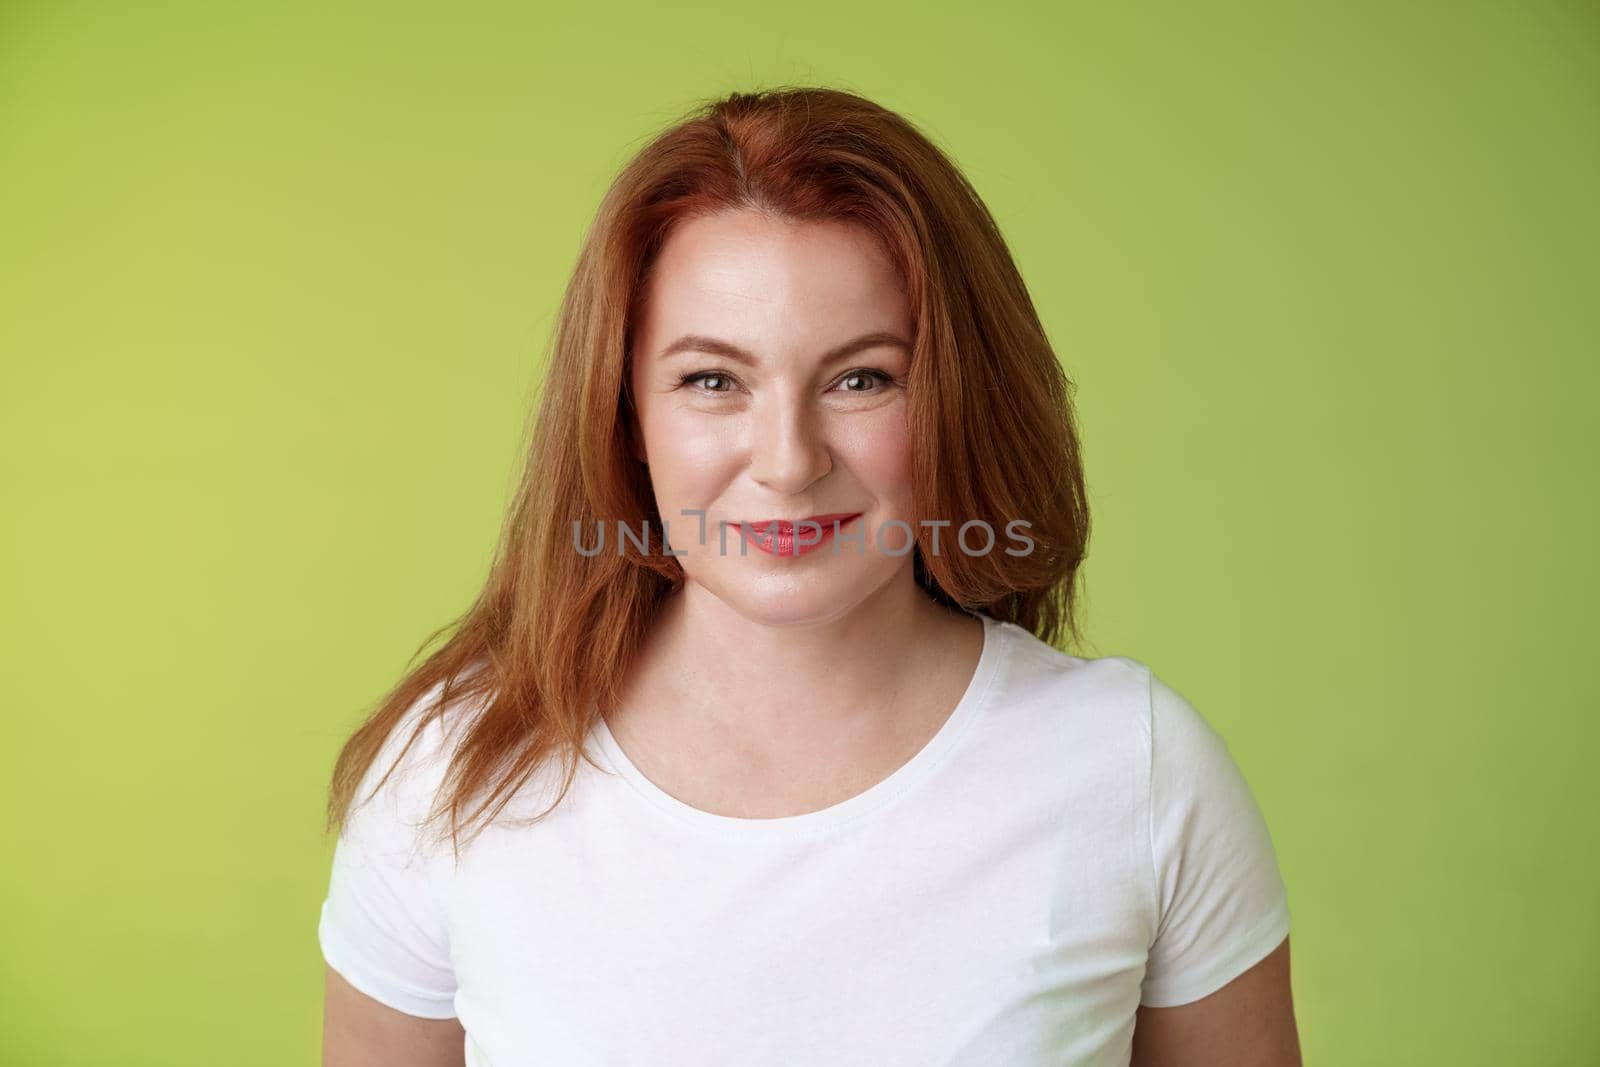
{"x":1247,"y":1023}
{"x":844,"y":667}
{"x":358,"y":1031}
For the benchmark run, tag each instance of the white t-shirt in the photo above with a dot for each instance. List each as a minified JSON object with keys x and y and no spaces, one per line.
{"x":1075,"y":841}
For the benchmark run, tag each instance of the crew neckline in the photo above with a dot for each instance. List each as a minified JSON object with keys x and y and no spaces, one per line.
{"x":875,"y":797}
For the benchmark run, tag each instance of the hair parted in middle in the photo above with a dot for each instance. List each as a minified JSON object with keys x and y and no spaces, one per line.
{"x":542,"y":651}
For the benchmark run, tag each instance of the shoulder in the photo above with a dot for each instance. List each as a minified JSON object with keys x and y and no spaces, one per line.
{"x":1120,"y":689}
{"x":1111,"y":691}
{"x":1104,"y":707}
{"x":404,"y":779}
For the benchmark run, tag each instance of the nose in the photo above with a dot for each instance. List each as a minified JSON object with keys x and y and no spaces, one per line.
{"x":789,"y":448}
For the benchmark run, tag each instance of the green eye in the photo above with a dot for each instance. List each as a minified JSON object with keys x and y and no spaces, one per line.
{"x":871,"y":375}
{"x":698,"y":375}
{"x":709,"y":381}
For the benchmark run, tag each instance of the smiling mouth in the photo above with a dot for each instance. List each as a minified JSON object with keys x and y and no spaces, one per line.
{"x":780,"y":537}
{"x":787,"y":527}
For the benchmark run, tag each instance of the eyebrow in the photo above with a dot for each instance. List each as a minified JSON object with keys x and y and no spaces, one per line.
{"x":713,"y":346}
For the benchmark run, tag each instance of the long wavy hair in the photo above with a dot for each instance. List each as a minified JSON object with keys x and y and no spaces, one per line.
{"x":542,"y":651}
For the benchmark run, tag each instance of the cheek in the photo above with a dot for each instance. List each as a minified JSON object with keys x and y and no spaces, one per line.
{"x":689,"y":456}
{"x":879,"y":452}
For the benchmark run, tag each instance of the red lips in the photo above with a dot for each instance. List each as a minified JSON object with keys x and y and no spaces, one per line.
{"x":786,"y":527}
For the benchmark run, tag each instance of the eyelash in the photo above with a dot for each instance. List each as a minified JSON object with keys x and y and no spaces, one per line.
{"x":864,"y":372}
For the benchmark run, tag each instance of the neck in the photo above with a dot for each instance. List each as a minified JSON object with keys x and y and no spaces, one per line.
{"x":780,"y":687}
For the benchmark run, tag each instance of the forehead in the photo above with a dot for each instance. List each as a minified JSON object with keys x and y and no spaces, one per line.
{"x":750,"y":272}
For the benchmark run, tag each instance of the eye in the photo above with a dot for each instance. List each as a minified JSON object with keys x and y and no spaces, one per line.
{"x":715,"y":376}
{"x":710,"y":381}
{"x":866,"y":375}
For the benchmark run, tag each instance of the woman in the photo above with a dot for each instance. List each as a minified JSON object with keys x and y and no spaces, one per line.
{"x":779,"y":597}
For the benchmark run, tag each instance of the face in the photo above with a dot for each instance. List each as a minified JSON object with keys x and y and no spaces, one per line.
{"x":768,"y":373}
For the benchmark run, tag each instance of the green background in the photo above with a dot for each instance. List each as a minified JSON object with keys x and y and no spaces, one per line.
{"x":275,"y":283}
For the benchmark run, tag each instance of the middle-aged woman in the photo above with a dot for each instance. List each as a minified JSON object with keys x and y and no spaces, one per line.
{"x":758,"y":746}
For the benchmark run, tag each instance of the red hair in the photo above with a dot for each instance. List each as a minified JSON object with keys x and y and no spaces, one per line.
{"x":552,"y":633}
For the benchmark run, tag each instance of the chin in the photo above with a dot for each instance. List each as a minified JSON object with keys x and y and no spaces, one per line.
{"x":782,"y":600}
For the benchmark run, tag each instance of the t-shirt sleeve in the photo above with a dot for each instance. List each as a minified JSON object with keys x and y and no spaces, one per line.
{"x":1220,"y":898}
{"x":383,"y":924}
